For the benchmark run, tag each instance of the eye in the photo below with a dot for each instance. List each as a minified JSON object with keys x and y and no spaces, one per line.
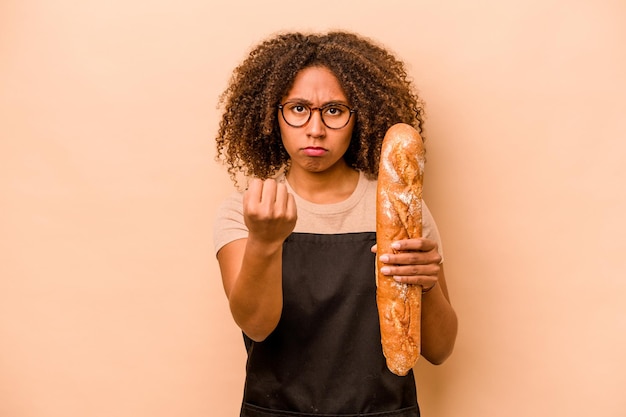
{"x":297,"y":108}
{"x":334,"y":110}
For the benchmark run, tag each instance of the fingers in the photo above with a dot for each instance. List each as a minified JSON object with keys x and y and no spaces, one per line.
{"x":284,"y":200}
{"x":291,"y":206}
{"x":267,"y":198}
{"x":269,"y":210}
{"x":412,"y":258}
{"x":253,"y":192}
{"x":268,"y":193}
{"x":420,"y":244}
{"x":419,"y":251}
{"x":416,"y":261}
{"x":425,"y":275}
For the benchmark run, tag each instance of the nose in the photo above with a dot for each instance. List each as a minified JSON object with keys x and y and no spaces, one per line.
{"x":315,"y":127}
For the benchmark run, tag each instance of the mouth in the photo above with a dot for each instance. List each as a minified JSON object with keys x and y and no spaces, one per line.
{"x":314,"y":151}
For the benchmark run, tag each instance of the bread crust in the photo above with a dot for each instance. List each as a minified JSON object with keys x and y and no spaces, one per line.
{"x":399,"y":216}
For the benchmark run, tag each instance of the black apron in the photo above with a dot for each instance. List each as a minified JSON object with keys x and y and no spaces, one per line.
{"x":325,"y":358}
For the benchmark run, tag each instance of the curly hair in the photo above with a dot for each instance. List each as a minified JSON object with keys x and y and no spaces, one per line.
{"x":374,"y":80}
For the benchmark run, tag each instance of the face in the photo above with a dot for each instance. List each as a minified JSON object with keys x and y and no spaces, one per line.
{"x":314,"y":147}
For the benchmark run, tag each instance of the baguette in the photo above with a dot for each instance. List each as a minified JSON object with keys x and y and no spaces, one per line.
{"x":399,"y":216}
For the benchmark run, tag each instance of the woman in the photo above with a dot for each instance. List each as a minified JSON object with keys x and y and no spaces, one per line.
{"x":304,"y":118}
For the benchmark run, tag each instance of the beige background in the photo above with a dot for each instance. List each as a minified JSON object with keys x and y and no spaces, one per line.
{"x":110,"y":298}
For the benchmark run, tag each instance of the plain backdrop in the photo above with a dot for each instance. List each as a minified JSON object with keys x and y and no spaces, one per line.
{"x":111,"y":302}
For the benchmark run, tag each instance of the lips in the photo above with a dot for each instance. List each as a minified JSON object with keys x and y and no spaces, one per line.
{"x":314,"y":151}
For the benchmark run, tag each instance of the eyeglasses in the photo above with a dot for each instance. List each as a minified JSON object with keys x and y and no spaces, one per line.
{"x":334,"y":115}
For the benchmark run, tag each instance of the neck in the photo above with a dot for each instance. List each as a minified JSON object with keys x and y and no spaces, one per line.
{"x":324,"y":187}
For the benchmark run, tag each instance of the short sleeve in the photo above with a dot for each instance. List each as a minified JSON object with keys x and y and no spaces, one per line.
{"x":229,"y":224}
{"x":429,"y":228}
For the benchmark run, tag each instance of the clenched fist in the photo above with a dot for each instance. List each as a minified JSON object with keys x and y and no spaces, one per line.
{"x":269,"y":211}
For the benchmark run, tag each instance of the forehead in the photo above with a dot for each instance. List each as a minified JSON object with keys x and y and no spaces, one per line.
{"x":316,"y":85}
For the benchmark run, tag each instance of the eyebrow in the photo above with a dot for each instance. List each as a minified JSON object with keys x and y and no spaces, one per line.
{"x":310,"y":104}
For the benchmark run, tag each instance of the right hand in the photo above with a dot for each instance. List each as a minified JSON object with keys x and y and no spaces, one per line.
{"x":269,"y":211}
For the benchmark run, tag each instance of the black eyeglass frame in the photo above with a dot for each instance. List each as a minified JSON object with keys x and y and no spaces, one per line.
{"x":320,"y":109}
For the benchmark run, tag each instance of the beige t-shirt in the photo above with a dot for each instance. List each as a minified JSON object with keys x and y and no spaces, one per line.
{"x":355,"y":214}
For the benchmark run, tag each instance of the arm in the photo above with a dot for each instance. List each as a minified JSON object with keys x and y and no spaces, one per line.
{"x":418,"y":262}
{"x":439,"y":323}
{"x":252,"y":268}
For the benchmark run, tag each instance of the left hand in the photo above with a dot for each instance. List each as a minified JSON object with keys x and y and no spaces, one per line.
{"x":415,"y":261}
